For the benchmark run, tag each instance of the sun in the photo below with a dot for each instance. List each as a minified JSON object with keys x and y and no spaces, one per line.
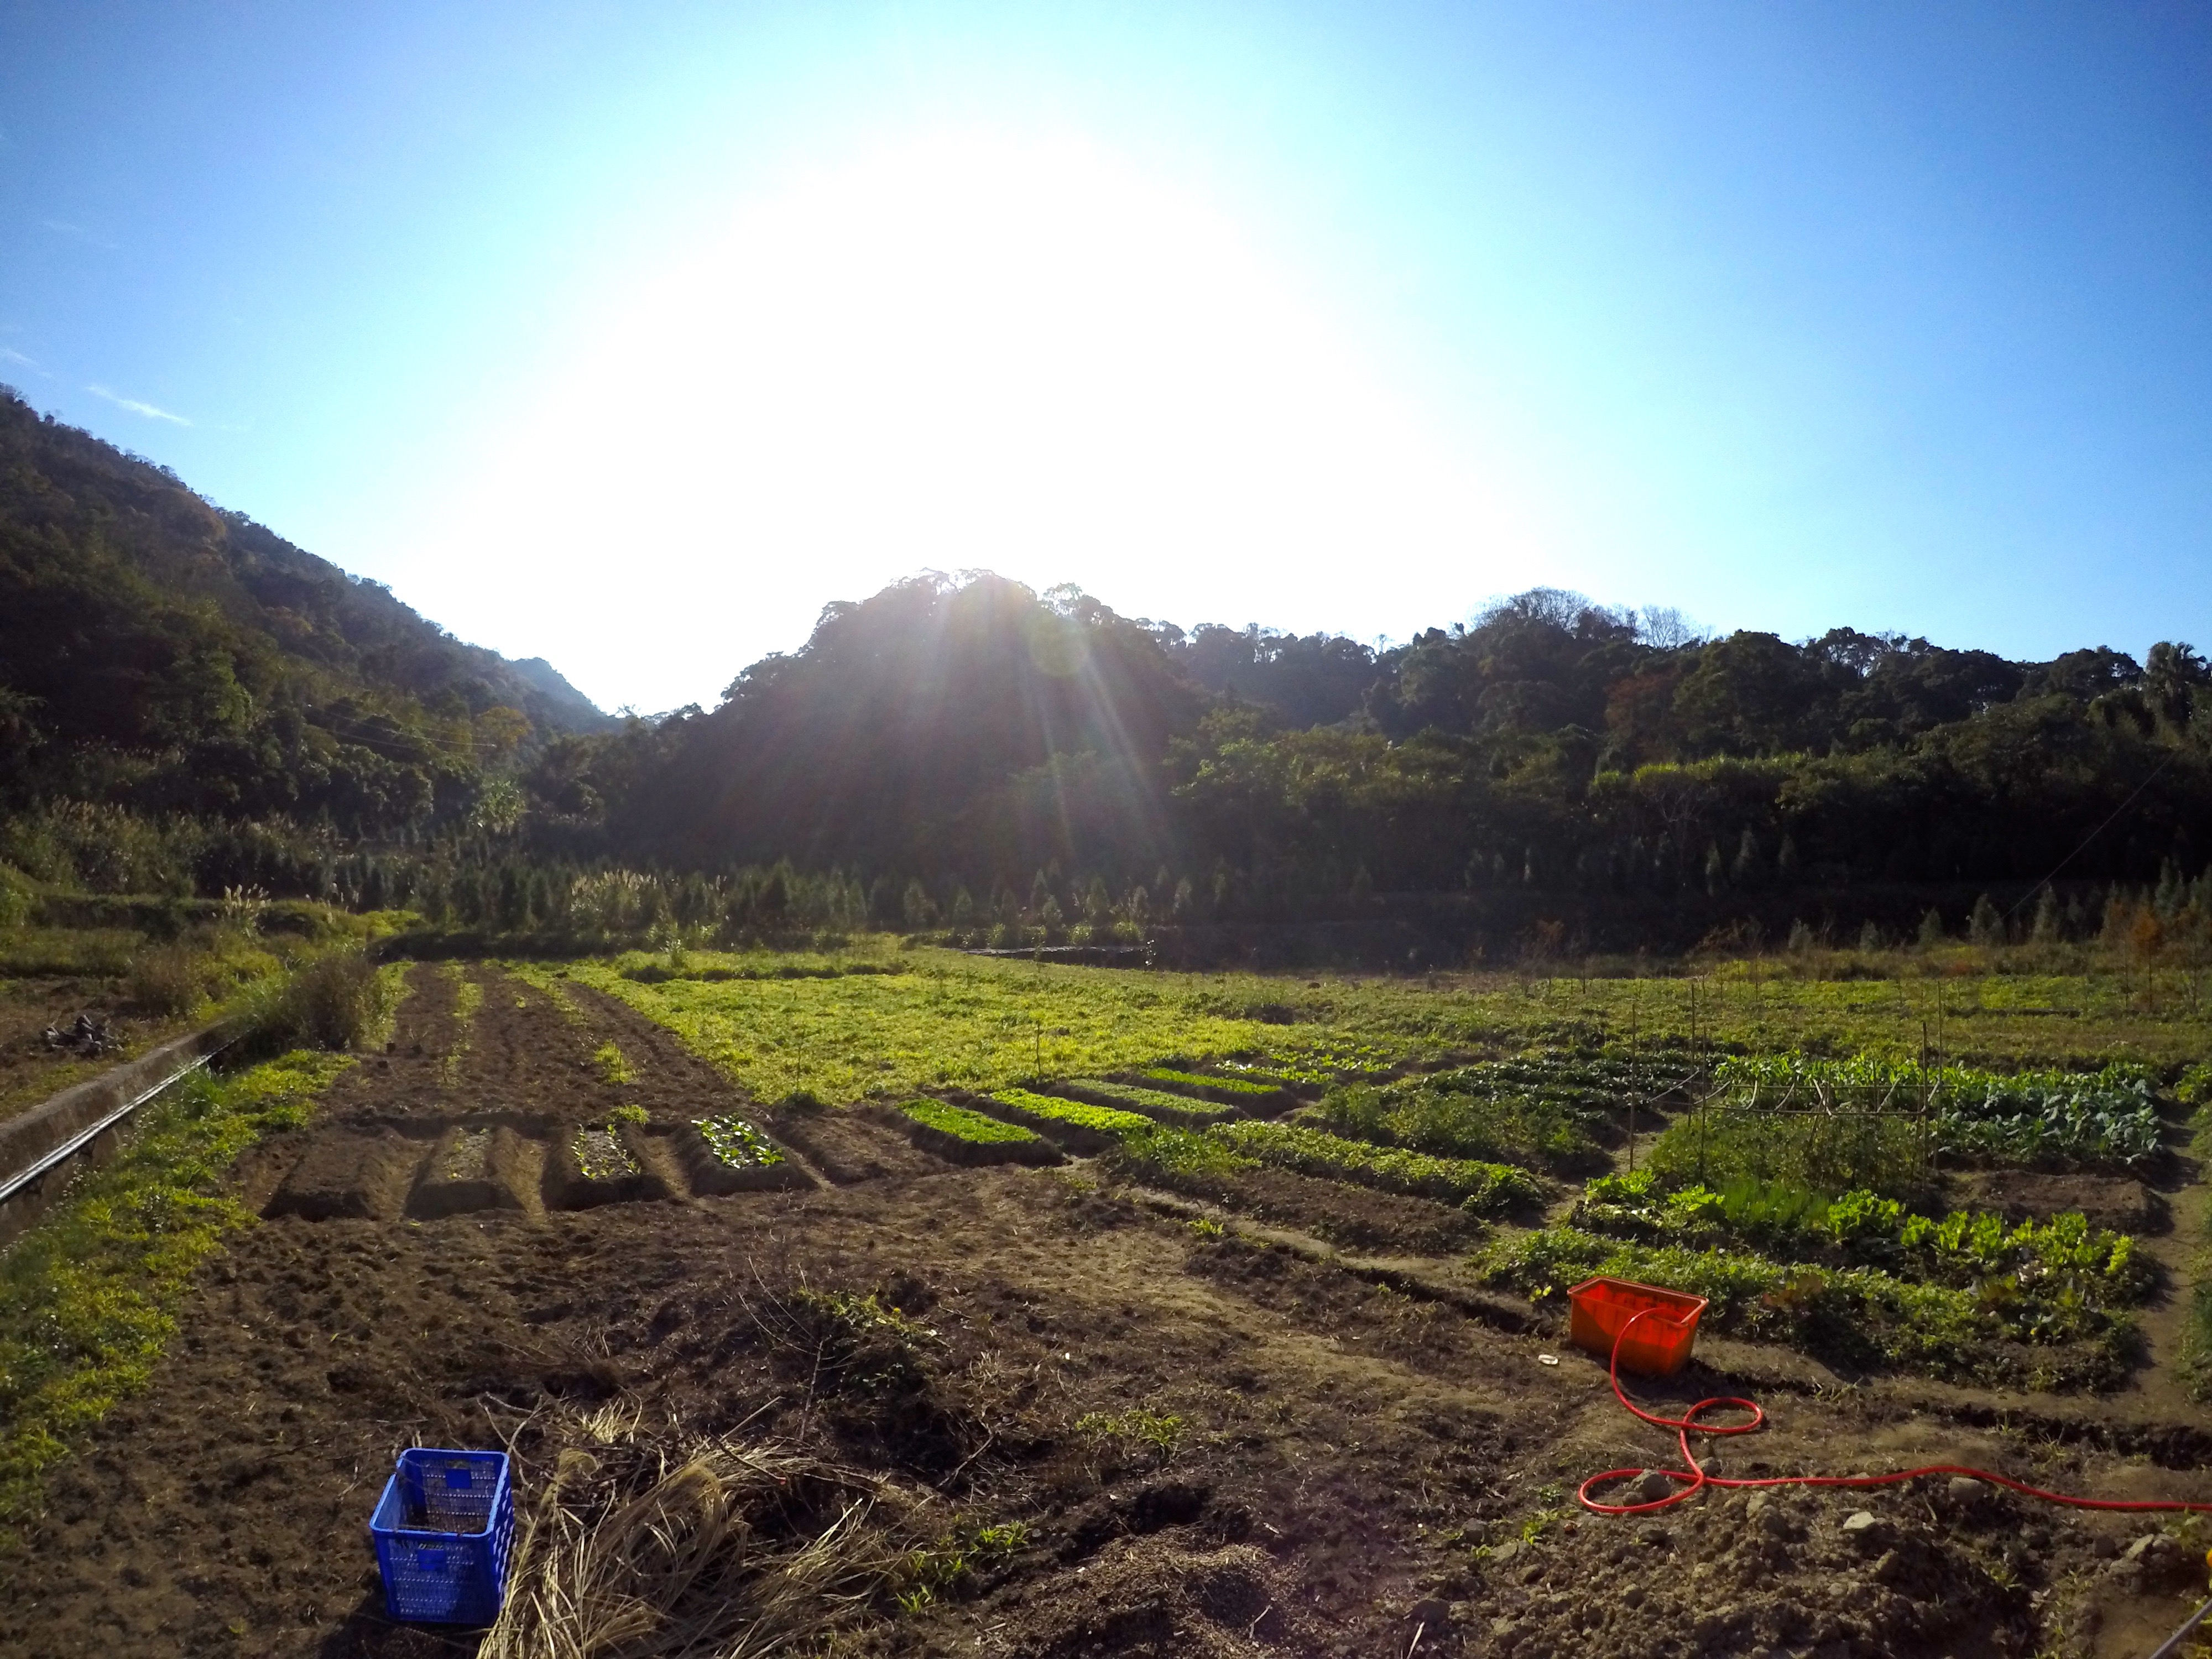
{"x":959,"y":351}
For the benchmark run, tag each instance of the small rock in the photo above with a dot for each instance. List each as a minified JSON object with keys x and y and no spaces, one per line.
{"x":1712,"y":1466}
{"x":1651,"y":1487}
{"x":1868,"y":1530}
{"x":1652,"y":1534}
{"x":1965,"y":1489}
{"x":1431,"y":1611}
{"x":1505,"y":1551}
{"x":1888,"y":1567}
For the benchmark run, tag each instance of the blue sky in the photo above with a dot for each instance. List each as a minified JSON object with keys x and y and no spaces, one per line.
{"x":630,"y":335}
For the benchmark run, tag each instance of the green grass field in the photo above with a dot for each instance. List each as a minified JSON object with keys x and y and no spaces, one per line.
{"x":851,"y":1030}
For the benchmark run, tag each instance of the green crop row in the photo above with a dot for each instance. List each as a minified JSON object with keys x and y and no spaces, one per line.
{"x":1073,"y":1114}
{"x":2063,"y":1257}
{"x":1152,"y":1102}
{"x":962,"y":1124}
{"x":1242,"y":1086}
{"x":1994,"y":1332}
{"x":1416,"y":1115}
{"x":1482,"y":1187}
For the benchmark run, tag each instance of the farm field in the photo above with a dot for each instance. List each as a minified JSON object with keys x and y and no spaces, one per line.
{"x":1283,"y":1373}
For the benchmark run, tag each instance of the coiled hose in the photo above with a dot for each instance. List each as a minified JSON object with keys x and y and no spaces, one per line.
{"x":1693,"y":1476}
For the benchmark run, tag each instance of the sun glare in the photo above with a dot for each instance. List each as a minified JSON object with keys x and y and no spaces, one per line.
{"x":955,"y":353}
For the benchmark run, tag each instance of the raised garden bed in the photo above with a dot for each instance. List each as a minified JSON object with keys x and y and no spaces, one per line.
{"x":727,"y":1154}
{"x":962,"y":1136}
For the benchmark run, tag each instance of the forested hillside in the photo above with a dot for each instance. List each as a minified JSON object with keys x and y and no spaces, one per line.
{"x":164,"y":663}
{"x":976,"y":733}
{"x":187,"y":700}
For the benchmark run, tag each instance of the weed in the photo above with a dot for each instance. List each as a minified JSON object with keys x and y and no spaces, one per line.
{"x":612,"y":1067}
{"x":340,"y":1000}
{"x":468,"y":997}
{"x":1207,"y":1228}
{"x":1159,"y":1432}
{"x":629,"y":1112}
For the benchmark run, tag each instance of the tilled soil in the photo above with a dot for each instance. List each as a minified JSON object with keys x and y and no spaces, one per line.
{"x":1328,"y":1453}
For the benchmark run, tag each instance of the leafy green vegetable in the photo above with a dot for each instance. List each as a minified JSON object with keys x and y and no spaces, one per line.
{"x":737,"y":1143}
{"x":965,"y":1125}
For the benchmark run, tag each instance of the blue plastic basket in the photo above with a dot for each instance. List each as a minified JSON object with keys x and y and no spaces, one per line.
{"x":442,"y":1530}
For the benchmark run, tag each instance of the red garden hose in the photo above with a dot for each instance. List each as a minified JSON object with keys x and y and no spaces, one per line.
{"x":1694,"y":1476}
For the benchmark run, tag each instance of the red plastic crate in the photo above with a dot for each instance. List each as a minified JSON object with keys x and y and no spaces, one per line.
{"x":1657,"y":1346}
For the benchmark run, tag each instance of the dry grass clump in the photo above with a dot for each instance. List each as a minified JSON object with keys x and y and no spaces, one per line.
{"x":645,"y":1548}
{"x":167,"y":979}
{"x":341,"y":1000}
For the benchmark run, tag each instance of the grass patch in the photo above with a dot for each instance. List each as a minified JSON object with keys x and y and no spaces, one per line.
{"x":468,"y":997}
{"x":1484,"y":1188}
{"x":612,"y":1067}
{"x":88,"y":1299}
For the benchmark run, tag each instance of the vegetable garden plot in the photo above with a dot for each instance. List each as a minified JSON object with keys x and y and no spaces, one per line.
{"x":596,"y":1164}
{"x":1073,"y":1124}
{"x":1484,"y":1188}
{"x":472,"y":1167}
{"x":727,"y":1154}
{"x":962,"y":1136}
{"x":1834,"y":1125}
{"x":352,"y":1174}
{"x":1154,"y":1103}
{"x":1545,"y":1111}
{"x":1248,"y":1093}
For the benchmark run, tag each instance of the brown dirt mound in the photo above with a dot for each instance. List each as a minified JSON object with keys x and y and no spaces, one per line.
{"x":362,"y":1177}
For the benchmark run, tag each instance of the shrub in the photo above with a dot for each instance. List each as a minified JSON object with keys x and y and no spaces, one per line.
{"x":167,"y":979}
{"x":340,"y":1000}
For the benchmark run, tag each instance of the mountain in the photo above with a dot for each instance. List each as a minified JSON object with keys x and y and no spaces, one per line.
{"x":158,"y":654}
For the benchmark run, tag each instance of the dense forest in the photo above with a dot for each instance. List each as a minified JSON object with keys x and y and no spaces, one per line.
{"x":962,"y":751}
{"x":186,"y":698}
